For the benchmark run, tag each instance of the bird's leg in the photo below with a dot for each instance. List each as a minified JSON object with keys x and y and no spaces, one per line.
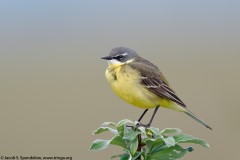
{"x":145,"y":111}
{"x":154,"y":113}
{"x":142,"y":115}
{"x":150,"y":122}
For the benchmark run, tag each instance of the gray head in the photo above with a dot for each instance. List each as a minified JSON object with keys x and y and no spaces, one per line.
{"x":120,"y":55}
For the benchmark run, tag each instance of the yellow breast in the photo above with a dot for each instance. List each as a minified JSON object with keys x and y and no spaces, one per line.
{"x":125,"y":82}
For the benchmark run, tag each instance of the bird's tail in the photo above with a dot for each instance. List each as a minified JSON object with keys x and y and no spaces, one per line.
{"x":196,"y":118}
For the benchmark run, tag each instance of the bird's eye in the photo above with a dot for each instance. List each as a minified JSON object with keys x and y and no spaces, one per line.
{"x":119,"y":57}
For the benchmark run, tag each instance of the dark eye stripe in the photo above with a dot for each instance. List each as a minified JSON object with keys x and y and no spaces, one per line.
{"x":119,"y":57}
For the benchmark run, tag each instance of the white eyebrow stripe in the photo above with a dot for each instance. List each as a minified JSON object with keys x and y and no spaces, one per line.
{"x":124,"y":54}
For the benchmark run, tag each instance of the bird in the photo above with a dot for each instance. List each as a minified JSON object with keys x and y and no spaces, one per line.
{"x":140,"y":83}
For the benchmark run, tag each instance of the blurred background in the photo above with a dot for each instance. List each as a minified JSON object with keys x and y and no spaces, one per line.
{"x":53,"y":92}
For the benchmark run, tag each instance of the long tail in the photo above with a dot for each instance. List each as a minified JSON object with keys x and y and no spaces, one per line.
{"x":196,"y":118}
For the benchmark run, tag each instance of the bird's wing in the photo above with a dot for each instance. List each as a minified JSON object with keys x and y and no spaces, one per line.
{"x":154,"y":80}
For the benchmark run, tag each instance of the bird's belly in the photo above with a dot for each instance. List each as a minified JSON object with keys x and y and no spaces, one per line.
{"x":130,"y":90}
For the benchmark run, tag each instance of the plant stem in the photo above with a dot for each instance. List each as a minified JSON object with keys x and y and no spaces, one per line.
{"x":139,"y":145}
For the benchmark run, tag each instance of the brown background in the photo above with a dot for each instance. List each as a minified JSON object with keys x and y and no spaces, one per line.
{"x":53,"y":92}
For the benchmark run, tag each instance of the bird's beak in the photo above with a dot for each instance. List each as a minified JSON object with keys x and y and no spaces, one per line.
{"x":107,"y":58}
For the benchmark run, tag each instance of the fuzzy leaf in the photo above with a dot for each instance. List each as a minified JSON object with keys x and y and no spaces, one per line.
{"x":122,"y":123}
{"x":99,"y":144}
{"x":136,"y":155}
{"x":184,"y":138}
{"x":171,"y":131}
{"x":152,"y":144}
{"x":126,"y":156}
{"x":116,"y":156}
{"x":155,"y":144}
{"x":155,"y":131}
{"x":118,"y":141}
{"x":142,"y":130}
{"x":170,"y":153}
{"x":169,"y":141}
{"x":109,"y":124}
{"x":131,"y":135}
{"x":104,"y":129}
{"x":134,"y":146}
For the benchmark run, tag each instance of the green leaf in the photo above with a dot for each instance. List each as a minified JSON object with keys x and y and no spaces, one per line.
{"x":170,"y":153}
{"x":116,"y":156}
{"x":109,"y":124}
{"x":126,"y":156}
{"x":122,"y":123}
{"x":136,"y":155}
{"x":169,"y":141}
{"x":118,"y":141}
{"x":142,"y":130}
{"x":134,"y":146}
{"x":154,"y":131}
{"x":130,"y":135}
{"x":184,"y":138}
{"x":104,"y":129}
{"x":99,"y":144}
{"x":153,"y":144}
{"x":171,"y":130}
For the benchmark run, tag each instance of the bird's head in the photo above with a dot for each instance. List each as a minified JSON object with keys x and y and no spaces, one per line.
{"x":120,"y":55}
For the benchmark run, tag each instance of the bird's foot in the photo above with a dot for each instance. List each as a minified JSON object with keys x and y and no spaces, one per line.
{"x":139,"y":124}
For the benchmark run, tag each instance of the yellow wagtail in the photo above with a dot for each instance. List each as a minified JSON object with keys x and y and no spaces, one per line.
{"x":140,"y":83}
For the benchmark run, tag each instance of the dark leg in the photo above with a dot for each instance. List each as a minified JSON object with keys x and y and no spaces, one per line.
{"x":145,"y":111}
{"x":150,"y":122}
{"x":154,"y":113}
{"x":142,"y":115}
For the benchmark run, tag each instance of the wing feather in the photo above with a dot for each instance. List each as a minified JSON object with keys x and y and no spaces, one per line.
{"x":154,"y":80}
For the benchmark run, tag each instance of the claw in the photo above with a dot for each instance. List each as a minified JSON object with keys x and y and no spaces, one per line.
{"x":139,"y":124}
